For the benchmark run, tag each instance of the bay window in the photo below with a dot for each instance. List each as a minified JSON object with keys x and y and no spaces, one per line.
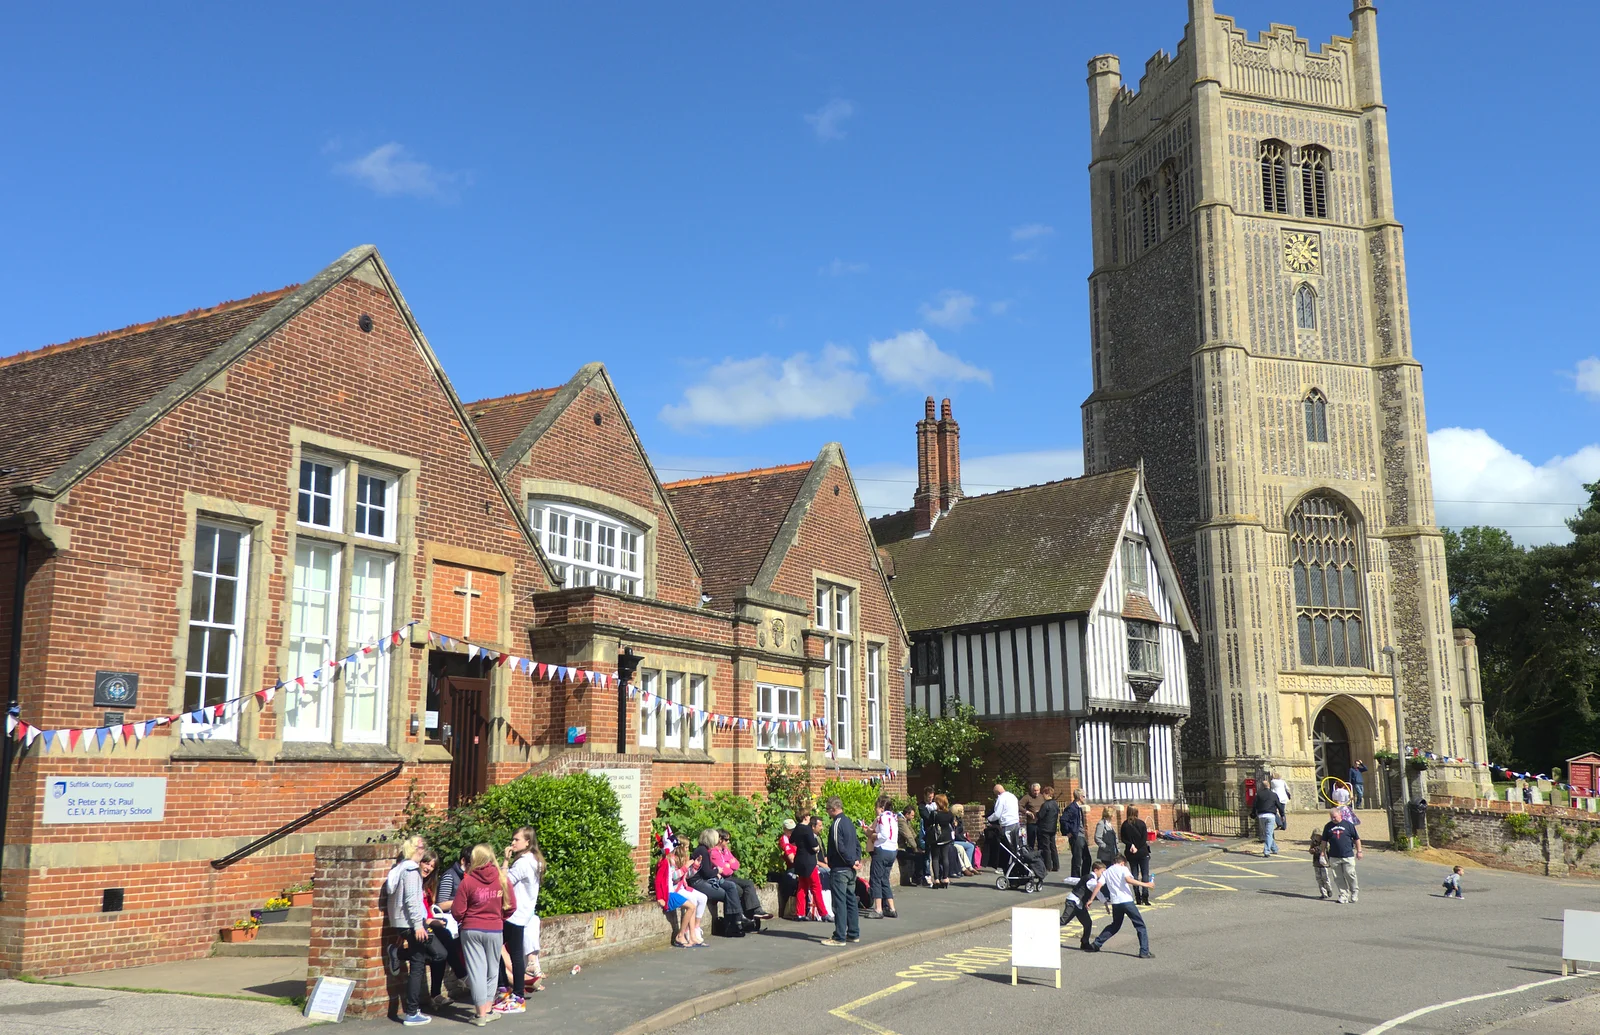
{"x":588,"y":548}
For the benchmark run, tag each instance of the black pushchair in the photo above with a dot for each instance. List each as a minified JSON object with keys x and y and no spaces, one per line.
{"x":1024,"y":867}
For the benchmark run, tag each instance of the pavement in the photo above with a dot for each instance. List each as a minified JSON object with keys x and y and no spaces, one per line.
{"x":26,"y":1007}
{"x":249,"y":977}
{"x":1241,"y":945}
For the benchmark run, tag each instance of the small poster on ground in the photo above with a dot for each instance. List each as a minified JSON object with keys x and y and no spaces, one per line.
{"x":328,"y":999}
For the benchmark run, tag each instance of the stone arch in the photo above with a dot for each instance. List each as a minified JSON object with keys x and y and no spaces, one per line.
{"x":1342,"y":731}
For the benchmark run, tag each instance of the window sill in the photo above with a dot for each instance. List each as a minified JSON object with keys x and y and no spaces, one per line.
{"x":696,"y":756}
{"x":1336,"y":670}
{"x":303,"y":751}
{"x":211,"y":751}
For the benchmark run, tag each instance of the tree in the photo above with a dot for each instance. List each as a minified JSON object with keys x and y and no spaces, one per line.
{"x":953,"y":741}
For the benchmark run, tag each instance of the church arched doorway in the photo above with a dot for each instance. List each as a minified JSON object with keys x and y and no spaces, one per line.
{"x":1331,"y":746}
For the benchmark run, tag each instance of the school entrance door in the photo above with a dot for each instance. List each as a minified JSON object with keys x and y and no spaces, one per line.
{"x":464,"y":709}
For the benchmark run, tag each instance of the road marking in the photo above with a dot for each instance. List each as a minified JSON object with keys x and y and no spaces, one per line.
{"x":1414,"y":1014}
{"x":843,"y":1012}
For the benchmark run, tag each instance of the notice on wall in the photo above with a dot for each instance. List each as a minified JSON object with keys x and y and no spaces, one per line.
{"x":626,"y":783}
{"x":105,"y":799}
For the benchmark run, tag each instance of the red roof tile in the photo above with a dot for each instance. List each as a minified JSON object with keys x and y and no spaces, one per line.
{"x":731,"y":521}
{"x":500,"y":420}
{"x":59,"y":399}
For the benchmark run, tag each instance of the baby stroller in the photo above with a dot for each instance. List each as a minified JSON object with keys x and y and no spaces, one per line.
{"x":1024,"y":867}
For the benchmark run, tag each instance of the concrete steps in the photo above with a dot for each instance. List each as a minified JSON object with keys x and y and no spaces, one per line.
{"x":290,"y":938}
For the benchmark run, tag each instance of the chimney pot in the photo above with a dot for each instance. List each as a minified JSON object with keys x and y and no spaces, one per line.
{"x":944,"y":413}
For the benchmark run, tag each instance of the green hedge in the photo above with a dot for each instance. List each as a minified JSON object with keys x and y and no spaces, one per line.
{"x":589,"y":864}
{"x":753,"y":823}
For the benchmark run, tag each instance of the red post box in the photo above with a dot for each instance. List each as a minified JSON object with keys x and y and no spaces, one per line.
{"x":1249,"y":792}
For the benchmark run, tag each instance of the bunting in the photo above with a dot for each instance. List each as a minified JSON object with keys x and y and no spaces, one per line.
{"x":94,"y":738}
{"x":1493,"y":767}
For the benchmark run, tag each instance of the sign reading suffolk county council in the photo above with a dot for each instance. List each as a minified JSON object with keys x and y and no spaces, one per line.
{"x":105,"y":799}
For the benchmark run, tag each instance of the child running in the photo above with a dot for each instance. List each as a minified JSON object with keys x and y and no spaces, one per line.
{"x":1319,"y":865}
{"x":1452,"y":883}
{"x":1117,"y":883}
{"x":1076,"y":906}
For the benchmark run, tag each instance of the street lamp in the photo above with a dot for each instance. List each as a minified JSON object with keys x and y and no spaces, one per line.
{"x":1400,"y":738}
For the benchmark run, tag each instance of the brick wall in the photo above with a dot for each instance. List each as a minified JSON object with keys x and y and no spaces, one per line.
{"x":1538,"y":838}
{"x":347,"y":927}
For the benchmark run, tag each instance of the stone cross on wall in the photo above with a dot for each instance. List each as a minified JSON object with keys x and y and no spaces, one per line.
{"x":467,"y":593}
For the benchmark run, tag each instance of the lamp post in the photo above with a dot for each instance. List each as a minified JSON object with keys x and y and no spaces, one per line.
{"x":1400,"y":739}
{"x":627,"y":665}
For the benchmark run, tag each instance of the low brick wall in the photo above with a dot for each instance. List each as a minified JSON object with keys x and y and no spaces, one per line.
{"x":1544,"y":839}
{"x":348,"y":934}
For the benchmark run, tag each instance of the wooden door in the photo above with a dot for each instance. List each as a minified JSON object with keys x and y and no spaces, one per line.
{"x":465,"y":733}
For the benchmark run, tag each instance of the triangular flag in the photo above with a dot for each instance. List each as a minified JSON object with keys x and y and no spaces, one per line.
{"x":33,"y":734}
{"x":142,"y":729}
{"x":11,"y":724}
{"x":100,"y":737}
{"x":49,"y":740}
{"x":472,"y":651}
{"x":72,"y":739}
{"x":502,"y":659}
{"x":270,"y":692}
{"x":115,"y":733}
{"x":542,"y":670}
{"x":220,"y":709}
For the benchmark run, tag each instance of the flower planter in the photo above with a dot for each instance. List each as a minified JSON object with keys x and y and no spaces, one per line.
{"x":272,"y":916}
{"x":300,"y":898}
{"x":237,"y":934}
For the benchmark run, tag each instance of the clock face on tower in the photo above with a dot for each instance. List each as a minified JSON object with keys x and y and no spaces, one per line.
{"x":1302,"y":252}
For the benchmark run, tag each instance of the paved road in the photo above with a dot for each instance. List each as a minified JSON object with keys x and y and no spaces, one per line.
{"x":1242,"y":946}
{"x":54,"y":1008}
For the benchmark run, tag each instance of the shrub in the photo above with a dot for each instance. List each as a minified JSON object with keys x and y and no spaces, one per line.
{"x":753,"y":823}
{"x":859,"y":797}
{"x":1520,"y":824}
{"x":589,"y":865}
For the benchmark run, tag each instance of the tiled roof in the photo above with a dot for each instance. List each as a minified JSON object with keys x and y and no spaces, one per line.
{"x":731,"y":521}
{"x":1137,"y":605}
{"x":1038,"y":550}
{"x":499,"y":421}
{"x":58,"y":400}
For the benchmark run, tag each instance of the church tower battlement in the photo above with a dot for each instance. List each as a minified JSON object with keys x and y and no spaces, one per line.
{"x":1250,"y":342}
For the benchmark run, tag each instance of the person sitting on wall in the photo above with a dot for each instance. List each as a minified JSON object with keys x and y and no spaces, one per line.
{"x":705,"y":878}
{"x":728,"y":867}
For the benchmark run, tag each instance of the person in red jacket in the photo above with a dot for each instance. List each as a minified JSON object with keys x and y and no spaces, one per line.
{"x":674,"y":895}
{"x":482,"y":903}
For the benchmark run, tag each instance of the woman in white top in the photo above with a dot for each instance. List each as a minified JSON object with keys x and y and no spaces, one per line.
{"x":1280,"y":787}
{"x":886,"y":841}
{"x":524,"y":871}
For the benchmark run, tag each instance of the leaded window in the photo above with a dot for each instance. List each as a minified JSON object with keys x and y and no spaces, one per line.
{"x":1172,"y":195}
{"x":1314,"y":182}
{"x":1316,"y":407}
{"x":1144,"y":647}
{"x":1130,"y":752}
{"x":1325,"y":552}
{"x":1149,"y":215}
{"x":1305,"y":308}
{"x":1274,"y":158}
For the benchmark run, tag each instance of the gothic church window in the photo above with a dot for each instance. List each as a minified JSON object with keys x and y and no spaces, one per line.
{"x":1314,"y":182}
{"x":1325,"y":555}
{"x":1172,"y":195}
{"x":1316,"y":406}
{"x":1274,"y":157}
{"x":1305,"y":308}
{"x":1149,"y":215}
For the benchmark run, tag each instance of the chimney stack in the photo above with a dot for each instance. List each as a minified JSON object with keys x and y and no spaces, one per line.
{"x":948,"y":433}
{"x":925,"y":504}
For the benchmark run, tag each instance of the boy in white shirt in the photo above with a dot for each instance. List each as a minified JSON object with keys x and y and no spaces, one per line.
{"x":1117,"y":884}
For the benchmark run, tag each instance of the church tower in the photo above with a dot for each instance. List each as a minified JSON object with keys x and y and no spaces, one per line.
{"x":1252,"y":345}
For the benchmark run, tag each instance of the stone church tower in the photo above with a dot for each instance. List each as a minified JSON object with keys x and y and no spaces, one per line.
{"x":1252,"y":344}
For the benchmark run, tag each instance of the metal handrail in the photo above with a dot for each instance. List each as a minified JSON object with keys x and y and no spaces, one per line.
{"x":310,"y":817}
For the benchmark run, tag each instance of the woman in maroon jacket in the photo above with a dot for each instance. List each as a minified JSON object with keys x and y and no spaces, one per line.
{"x":482,"y":903}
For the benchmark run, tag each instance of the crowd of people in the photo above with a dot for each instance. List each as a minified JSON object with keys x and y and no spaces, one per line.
{"x":476,"y":919}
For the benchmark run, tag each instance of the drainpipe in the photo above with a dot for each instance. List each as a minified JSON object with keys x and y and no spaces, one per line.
{"x":14,"y":695}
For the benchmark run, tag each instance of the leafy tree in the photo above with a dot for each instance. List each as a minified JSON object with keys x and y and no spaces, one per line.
{"x":953,"y":742}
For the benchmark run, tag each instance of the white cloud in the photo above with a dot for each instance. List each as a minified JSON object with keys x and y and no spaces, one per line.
{"x":913,"y":359}
{"x":390,"y":171}
{"x":828,"y":121}
{"x":840,"y":268}
{"x":1001,"y":307}
{"x":1478,"y":481}
{"x":1588,"y":375}
{"x":886,"y":488}
{"x":954,"y":310}
{"x":747,"y":393}
{"x":1031,"y":231}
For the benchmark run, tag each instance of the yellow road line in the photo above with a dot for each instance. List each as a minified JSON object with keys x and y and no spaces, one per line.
{"x":843,"y":1012}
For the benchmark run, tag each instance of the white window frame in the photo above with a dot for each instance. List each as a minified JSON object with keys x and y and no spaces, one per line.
{"x":229,"y":729}
{"x":671,"y":722}
{"x":370,"y":673}
{"x":335,"y":492}
{"x":775,"y":701}
{"x":874,"y":675}
{"x":649,"y":683}
{"x":386,"y":507}
{"x":576,"y":556}
{"x":696,"y":739}
{"x":836,"y":614}
{"x":322,"y":730}
{"x":1135,"y":567}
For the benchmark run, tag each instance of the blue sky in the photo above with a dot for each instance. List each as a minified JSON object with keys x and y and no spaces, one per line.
{"x":777,"y":227}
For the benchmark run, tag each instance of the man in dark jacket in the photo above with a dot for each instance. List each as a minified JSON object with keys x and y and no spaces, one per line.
{"x":1075,"y":828}
{"x":844,"y":859}
{"x":1266,"y":810}
{"x":1049,"y":817}
{"x":1358,"y":784}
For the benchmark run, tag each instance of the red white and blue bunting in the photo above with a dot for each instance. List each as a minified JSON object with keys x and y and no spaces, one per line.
{"x":1512,"y":773}
{"x":94,"y":738}
{"x":532,"y":669}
